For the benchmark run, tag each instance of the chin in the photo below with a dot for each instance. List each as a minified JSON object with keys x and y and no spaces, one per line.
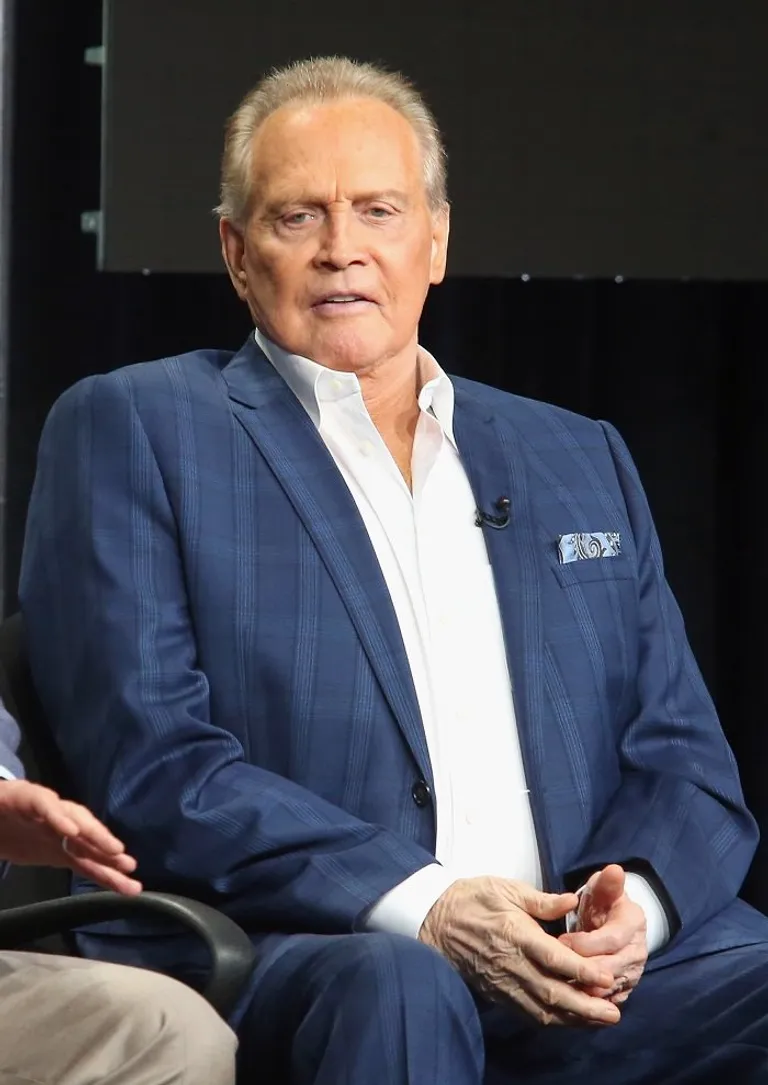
{"x":349,"y":350}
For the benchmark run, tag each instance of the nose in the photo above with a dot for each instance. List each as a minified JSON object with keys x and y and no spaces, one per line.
{"x":341,"y":240}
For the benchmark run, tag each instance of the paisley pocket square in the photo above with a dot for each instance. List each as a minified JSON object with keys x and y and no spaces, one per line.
{"x":582,"y":545}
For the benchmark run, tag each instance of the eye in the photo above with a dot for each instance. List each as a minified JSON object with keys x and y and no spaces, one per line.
{"x":380,"y":213}
{"x":298,"y":218}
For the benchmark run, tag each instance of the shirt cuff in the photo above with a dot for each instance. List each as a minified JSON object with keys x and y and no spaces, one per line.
{"x":403,"y":909}
{"x":639,"y":891}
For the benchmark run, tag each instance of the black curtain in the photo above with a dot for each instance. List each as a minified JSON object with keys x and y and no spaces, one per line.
{"x":677,"y":366}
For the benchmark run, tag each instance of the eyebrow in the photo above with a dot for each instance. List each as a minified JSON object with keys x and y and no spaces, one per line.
{"x":393,"y":194}
{"x":307,"y":200}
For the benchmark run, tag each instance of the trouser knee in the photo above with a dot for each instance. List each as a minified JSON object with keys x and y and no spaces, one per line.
{"x":380,"y":967}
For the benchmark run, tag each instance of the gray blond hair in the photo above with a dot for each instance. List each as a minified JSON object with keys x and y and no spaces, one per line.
{"x":324,"y":79}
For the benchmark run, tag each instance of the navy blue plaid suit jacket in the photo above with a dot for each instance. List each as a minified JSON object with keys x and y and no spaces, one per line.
{"x":217,"y":651}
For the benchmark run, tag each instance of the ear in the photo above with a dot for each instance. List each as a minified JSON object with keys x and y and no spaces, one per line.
{"x":233,"y":252}
{"x":441,"y":225}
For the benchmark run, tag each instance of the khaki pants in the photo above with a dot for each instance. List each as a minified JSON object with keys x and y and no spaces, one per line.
{"x":66,"y":1021}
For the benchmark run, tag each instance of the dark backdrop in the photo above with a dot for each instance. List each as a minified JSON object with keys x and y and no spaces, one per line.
{"x":678,"y":367}
{"x":608,"y":148}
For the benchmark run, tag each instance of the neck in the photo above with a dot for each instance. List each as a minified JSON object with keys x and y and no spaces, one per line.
{"x":390,"y":393}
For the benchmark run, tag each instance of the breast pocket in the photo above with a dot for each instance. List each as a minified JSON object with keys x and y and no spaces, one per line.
{"x":589,"y":570}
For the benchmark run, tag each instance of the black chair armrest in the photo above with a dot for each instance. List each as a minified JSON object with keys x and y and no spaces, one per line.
{"x":230,"y":947}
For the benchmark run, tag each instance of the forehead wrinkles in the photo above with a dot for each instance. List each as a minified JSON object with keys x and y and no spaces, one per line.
{"x":358,"y":145}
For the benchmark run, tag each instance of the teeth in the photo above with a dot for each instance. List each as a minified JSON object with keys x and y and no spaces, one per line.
{"x":344,"y":297}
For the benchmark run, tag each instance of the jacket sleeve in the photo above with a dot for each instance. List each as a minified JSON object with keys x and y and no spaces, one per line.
{"x":678,"y":816}
{"x":113,"y":652}
{"x":10,"y":766}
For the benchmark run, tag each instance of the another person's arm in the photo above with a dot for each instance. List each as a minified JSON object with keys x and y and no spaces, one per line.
{"x":38,"y":828}
{"x":10,"y":766}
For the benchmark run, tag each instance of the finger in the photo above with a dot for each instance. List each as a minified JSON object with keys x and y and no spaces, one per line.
{"x":607,"y":940}
{"x":543,"y":1014}
{"x":557,"y":959}
{"x":628,"y":971}
{"x":601,"y":992}
{"x":106,"y":876}
{"x":629,"y":961}
{"x":546,"y":1015}
{"x":92,"y":830}
{"x":80,"y":849}
{"x":545,"y":906}
{"x":556,"y":997}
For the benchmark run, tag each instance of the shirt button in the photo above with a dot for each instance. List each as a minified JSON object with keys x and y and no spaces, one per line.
{"x":421,"y":793}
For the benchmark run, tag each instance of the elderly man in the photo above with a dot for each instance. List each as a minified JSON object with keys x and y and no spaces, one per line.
{"x":384,"y":662}
{"x":75,"y":1022}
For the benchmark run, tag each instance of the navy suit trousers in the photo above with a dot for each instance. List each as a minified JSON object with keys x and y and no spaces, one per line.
{"x":359,"y":1009}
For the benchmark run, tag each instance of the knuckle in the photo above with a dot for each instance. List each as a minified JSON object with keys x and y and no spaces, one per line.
{"x":550,"y":958}
{"x":549,"y":995}
{"x":507,"y":932}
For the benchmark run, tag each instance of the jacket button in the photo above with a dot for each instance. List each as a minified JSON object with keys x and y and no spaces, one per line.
{"x":421,"y":793}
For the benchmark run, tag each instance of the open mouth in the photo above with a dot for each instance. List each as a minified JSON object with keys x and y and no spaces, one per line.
{"x":332,"y":304}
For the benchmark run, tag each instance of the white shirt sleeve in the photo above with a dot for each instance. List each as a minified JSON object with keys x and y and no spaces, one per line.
{"x":403,"y":909}
{"x":638,"y":889}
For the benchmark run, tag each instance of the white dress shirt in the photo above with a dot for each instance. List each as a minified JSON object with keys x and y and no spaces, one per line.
{"x":435,"y":564}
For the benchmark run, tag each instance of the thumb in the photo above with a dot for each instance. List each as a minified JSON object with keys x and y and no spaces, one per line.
{"x":547,"y":906}
{"x":606,"y":889}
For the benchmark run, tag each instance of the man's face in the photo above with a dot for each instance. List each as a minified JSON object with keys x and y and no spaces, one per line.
{"x":341,"y":245}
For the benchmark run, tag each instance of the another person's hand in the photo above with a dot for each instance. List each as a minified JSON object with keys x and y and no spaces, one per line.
{"x":610,"y":932}
{"x":487,"y":928}
{"x":37,"y":828}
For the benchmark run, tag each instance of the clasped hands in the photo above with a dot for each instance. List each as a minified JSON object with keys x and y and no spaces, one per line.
{"x":489,"y":928}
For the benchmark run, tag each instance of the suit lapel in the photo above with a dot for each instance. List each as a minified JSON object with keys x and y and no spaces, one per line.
{"x":495,"y":462}
{"x":291,"y":445}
